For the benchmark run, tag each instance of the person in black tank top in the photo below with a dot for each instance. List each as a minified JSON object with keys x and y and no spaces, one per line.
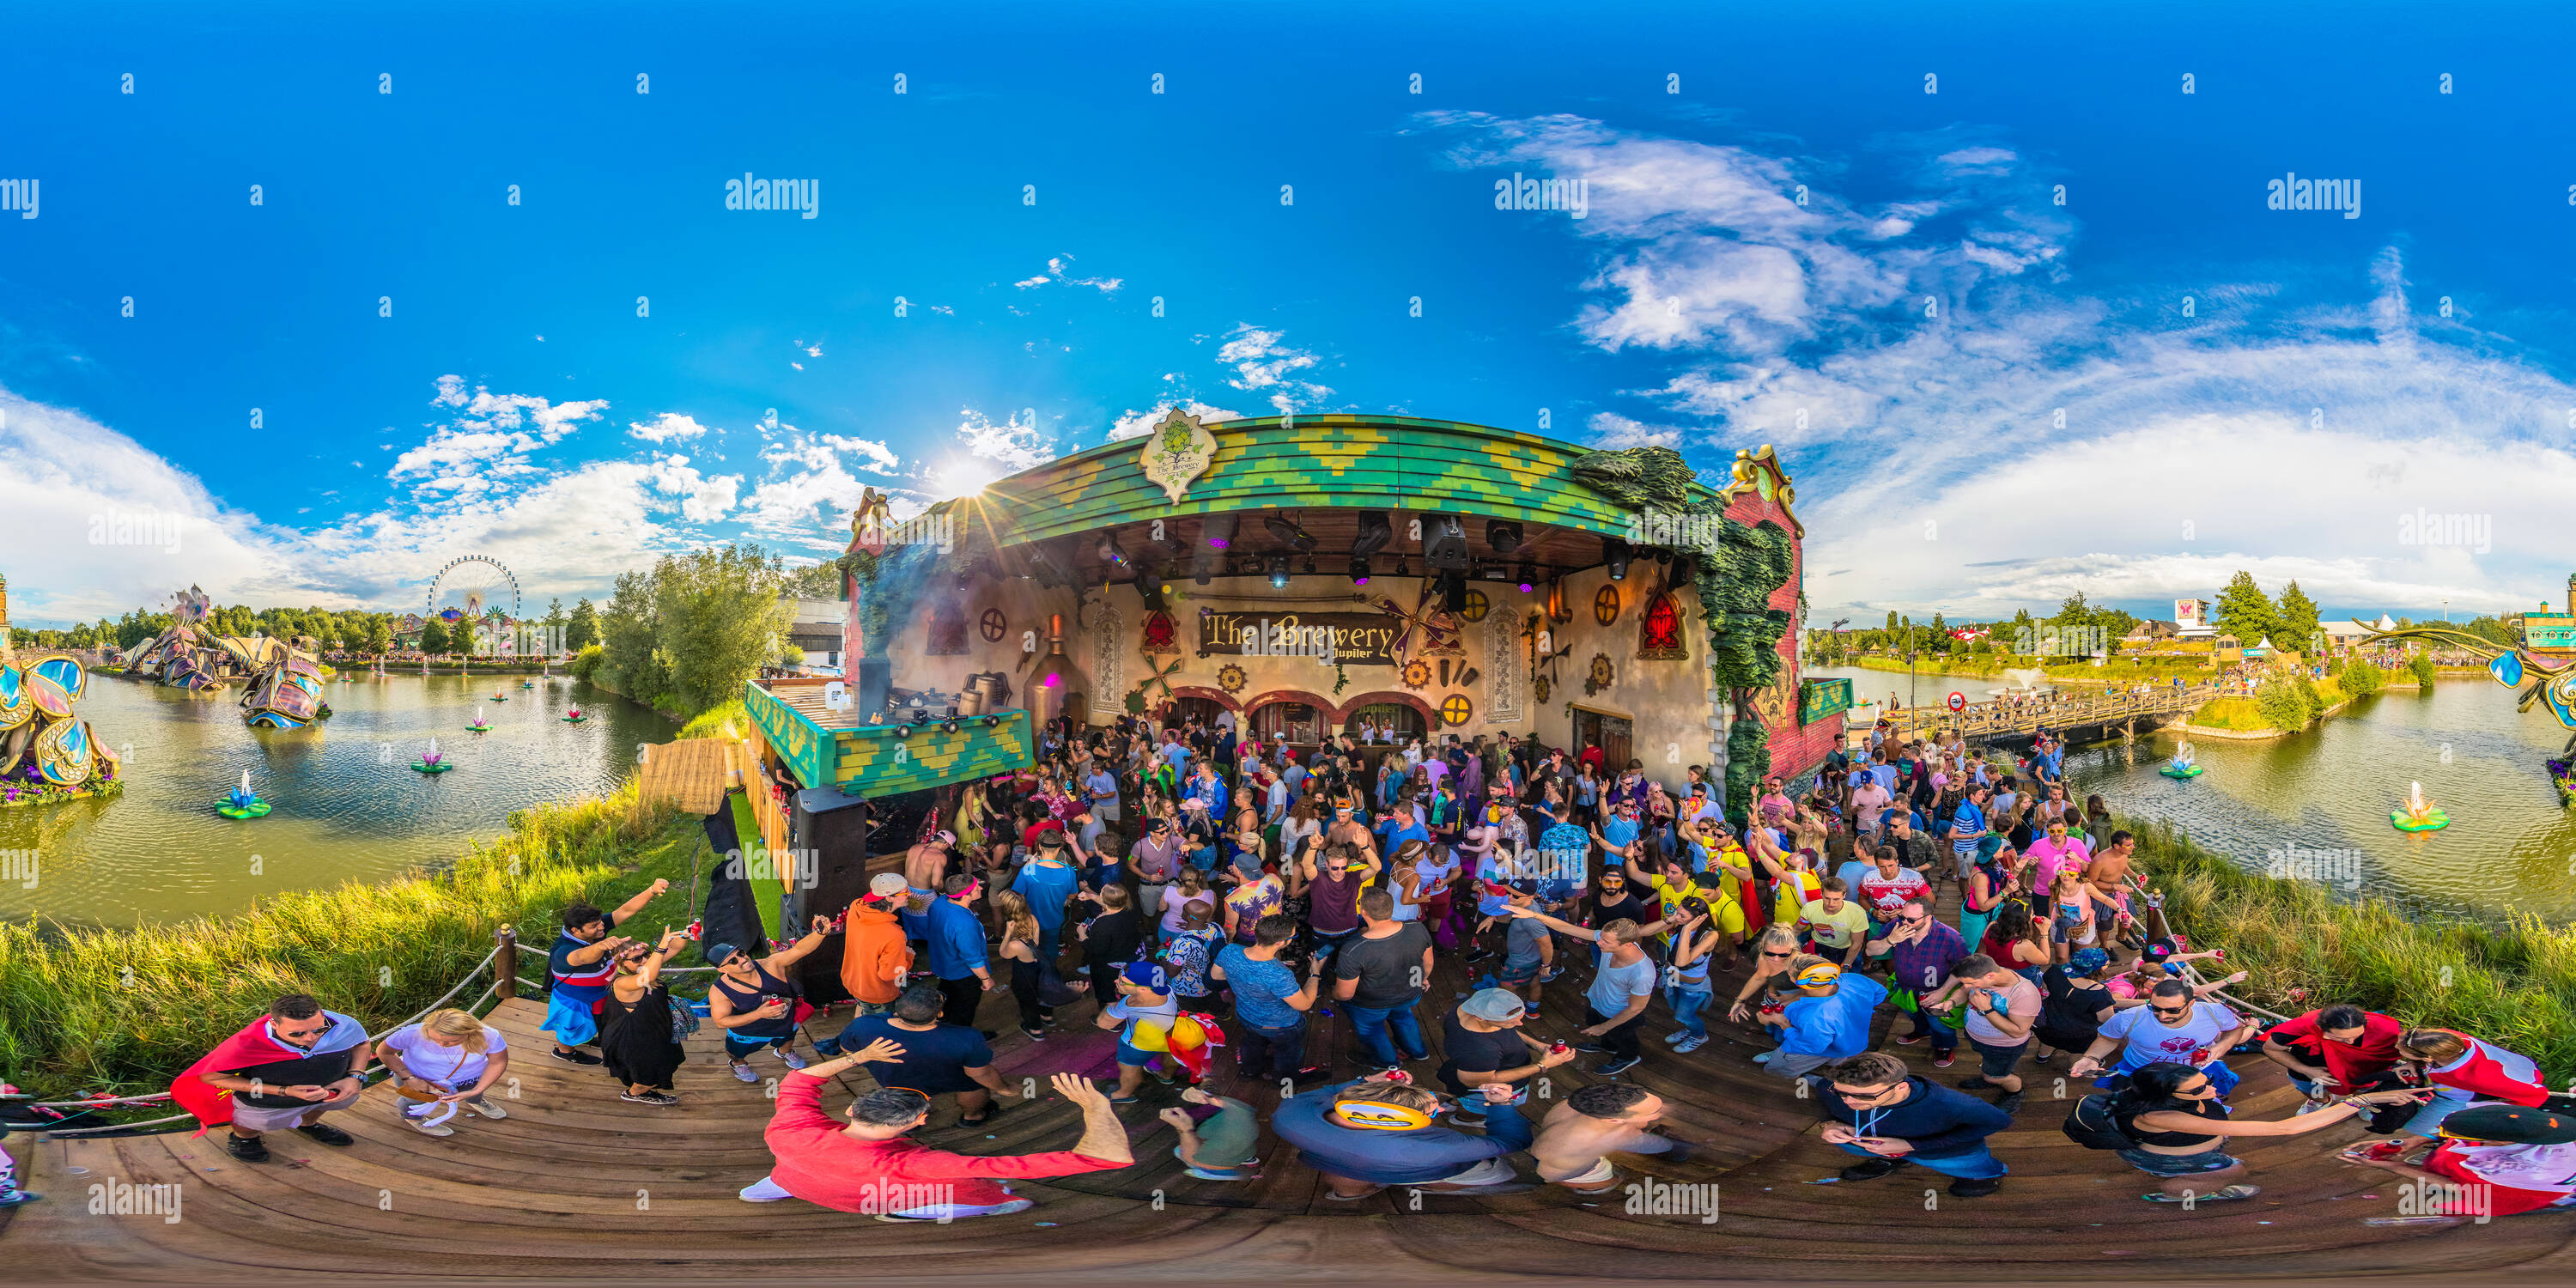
{"x":2181,"y":1127}
{"x":755,"y":1002}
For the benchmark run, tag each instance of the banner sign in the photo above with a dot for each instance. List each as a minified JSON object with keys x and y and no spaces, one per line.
{"x":1359,"y":639}
{"x":1818,"y":699}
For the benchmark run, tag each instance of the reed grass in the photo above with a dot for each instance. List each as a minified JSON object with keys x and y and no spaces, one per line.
{"x":126,"y":1010}
{"x":2513,"y":982}
{"x":711,"y":722}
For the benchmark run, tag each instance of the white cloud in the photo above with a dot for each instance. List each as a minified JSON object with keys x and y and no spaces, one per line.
{"x":1263,"y":361}
{"x":1055,"y":272}
{"x":1137,"y":424}
{"x":1934,"y":472}
{"x":668,"y":427}
{"x":810,"y":489}
{"x":985,"y":452}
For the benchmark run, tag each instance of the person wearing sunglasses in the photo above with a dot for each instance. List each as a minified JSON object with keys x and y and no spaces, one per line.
{"x":1873,"y":1108}
{"x":2174,"y":1027}
{"x":2175,"y":1114}
{"x":285,"y":1069}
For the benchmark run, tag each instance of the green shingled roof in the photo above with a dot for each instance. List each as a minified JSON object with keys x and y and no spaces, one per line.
{"x":1345,"y":462}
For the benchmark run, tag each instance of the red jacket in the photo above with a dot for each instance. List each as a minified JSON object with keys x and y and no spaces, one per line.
{"x":821,"y":1164}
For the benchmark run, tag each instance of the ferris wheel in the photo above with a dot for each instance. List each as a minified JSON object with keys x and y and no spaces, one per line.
{"x":476,"y":589}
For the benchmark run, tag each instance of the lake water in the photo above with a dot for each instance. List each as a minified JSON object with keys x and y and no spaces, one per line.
{"x":2327,"y":792}
{"x":348,"y":804}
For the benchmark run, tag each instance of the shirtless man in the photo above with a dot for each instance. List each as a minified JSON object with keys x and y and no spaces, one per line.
{"x":1348,"y":829}
{"x":925,"y":866}
{"x":2108,"y":877}
{"x":1597,"y":1120}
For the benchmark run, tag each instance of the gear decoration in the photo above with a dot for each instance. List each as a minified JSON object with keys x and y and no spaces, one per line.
{"x":1540,"y":688}
{"x":1476,"y":606}
{"x":1456,"y":710}
{"x":1231,"y":678}
{"x":1417,"y":674}
{"x":994,"y":625}
{"x":1158,"y":675}
{"x":1605,"y":605}
{"x":1601,"y":676}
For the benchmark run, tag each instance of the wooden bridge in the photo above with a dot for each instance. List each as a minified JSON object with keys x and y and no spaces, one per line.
{"x":2076,"y":716}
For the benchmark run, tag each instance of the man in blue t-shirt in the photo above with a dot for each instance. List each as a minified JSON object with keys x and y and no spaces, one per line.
{"x":956,"y":951}
{"x":1399,"y":828}
{"x":1969,"y":823}
{"x":1269,"y":1005}
{"x":1618,"y":831}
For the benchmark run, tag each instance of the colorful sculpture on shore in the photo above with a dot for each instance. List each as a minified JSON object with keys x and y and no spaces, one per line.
{"x":46,"y":749}
{"x":2553,"y":678}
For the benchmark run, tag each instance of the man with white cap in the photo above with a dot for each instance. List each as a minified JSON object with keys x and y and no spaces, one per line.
{"x":875,"y":953}
{"x":1482,"y":1044}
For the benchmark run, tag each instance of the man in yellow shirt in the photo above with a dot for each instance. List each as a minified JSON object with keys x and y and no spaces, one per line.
{"x":1720,"y":887}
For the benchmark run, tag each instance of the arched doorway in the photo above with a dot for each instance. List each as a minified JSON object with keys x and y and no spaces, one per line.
{"x":1206,"y":711}
{"x":1301,"y":722}
{"x":1395,"y":723}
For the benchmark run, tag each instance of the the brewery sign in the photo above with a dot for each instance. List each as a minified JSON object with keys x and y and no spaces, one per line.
{"x":1358,"y":639}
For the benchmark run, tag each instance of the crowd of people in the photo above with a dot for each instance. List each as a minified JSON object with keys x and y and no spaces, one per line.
{"x":1208,"y":895}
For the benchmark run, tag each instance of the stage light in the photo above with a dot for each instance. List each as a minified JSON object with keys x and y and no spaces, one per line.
{"x":1617,"y":553}
{"x":1359,"y":570}
{"x":1310,"y":565}
{"x":1218,"y":529}
{"x":1376,"y":530}
{"x":1279,"y":572}
{"x":1453,"y":592}
{"x":1111,"y":552}
{"x":1401,"y":570}
{"x":1289,"y":534}
{"x":1503,"y":535}
{"x":1444,"y":542}
{"x":1529,"y":577}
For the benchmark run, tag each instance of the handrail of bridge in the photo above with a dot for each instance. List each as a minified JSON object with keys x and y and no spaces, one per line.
{"x":2055,"y":710}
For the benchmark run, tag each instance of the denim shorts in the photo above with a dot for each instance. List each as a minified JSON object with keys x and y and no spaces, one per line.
{"x":2210,"y":1160}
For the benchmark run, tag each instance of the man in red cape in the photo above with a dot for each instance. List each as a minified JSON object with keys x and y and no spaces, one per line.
{"x":285,"y":1069}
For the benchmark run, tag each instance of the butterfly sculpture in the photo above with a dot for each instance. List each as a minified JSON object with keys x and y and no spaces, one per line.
{"x":41,"y":737}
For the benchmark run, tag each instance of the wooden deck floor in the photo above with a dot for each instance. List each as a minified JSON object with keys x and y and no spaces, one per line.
{"x":578,"y":1184}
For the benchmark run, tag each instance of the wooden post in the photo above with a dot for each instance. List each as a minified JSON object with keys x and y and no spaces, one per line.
{"x":506,"y":966}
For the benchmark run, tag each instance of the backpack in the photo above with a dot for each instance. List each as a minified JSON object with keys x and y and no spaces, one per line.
{"x":2091,"y":1125}
{"x":684,"y":1018}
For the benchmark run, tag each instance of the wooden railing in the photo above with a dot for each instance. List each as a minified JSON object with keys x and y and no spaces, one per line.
{"x":2055,"y":710}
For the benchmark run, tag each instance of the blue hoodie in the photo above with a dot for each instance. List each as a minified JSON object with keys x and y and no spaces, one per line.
{"x":1937,"y":1121}
{"x":1836,"y":1026}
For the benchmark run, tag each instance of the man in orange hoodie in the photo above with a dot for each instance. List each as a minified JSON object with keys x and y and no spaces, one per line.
{"x":874,"y":952}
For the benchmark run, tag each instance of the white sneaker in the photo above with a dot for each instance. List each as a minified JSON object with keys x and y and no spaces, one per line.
{"x":1687,"y":1045}
{"x":1762,"y":1057}
{"x":1676,"y":1035}
{"x":433,"y":1129}
{"x":743,"y":1072}
{"x":793,"y":1060}
{"x":486,"y":1108}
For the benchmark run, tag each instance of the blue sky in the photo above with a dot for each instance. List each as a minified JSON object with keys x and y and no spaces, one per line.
{"x":2240,"y":386}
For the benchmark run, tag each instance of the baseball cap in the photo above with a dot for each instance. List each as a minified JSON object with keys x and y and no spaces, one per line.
{"x":1819,"y":975}
{"x":720,"y":952}
{"x":2510,"y":1124}
{"x":887,"y":885}
{"x":1494,"y":1005}
{"x":1147,"y":976}
{"x":1158,"y":824}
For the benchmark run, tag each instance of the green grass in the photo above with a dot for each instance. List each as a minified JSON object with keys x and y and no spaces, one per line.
{"x":711,"y":722}
{"x":126,"y":1010}
{"x":2230,"y":713}
{"x":2513,"y":983}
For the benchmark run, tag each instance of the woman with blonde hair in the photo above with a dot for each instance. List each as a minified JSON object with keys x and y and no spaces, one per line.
{"x":447,"y":1060}
{"x":1774,"y":952}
